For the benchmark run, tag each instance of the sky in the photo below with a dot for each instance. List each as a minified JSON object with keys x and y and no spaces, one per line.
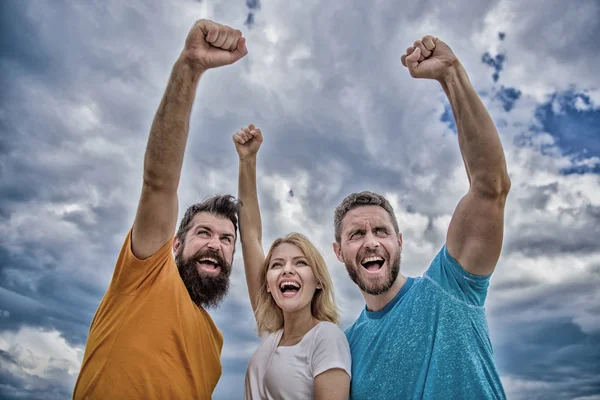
{"x":81,"y":82}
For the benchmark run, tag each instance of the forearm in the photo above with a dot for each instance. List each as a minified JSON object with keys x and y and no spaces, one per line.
{"x":477,"y":135}
{"x":250,"y":220}
{"x":169,"y":132}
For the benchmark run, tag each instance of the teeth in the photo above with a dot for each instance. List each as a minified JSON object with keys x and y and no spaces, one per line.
{"x":371,"y":259}
{"x":289,"y":284}
{"x":212,"y":260}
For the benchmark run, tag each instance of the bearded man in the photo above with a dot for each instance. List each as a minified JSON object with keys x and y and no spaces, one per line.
{"x":151,"y":337}
{"x":427,"y":337}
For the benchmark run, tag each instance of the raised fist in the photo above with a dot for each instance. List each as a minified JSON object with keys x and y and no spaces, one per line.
{"x":247,"y":141}
{"x":429,"y":58}
{"x":211,"y":45}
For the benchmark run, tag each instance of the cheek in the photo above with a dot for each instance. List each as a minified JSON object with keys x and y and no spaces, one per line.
{"x":349,"y":253}
{"x":271,"y":279}
{"x":309,"y":278}
{"x":229,"y":253}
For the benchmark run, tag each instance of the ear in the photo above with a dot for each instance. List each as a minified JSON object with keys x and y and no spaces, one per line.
{"x":268,"y":288}
{"x":338,"y":252}
{"x":400,"y":241}
{"x":319,"y":285}
{"x":176,"y":244}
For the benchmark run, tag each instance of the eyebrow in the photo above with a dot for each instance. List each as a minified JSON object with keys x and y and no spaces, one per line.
{"x":207,"y":228}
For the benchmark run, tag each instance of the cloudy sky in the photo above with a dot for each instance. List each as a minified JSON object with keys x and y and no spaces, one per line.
{"x":79,"y":87}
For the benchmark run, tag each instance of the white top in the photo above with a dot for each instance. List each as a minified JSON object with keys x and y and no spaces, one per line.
{"x":288,"y":372}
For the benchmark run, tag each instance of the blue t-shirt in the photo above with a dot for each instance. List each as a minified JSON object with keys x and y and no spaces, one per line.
{"x":430,"y":342}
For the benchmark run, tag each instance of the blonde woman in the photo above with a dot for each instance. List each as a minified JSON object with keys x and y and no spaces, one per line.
{"x":303,"y":354}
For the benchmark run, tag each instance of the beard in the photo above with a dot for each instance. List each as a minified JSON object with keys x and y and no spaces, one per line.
{"x":205,"y":290}
{"x":375,"y":288}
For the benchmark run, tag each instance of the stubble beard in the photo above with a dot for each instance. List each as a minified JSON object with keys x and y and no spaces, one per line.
{"x":204,"y":290}
{"x":376,"y":288}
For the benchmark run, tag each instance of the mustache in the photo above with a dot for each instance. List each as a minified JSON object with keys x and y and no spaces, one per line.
{"x":205,"y":291}
{"x":215,"y":255}
{"x":371,"y":253}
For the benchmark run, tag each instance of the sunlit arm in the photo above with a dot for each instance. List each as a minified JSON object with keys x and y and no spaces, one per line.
{"x":157,"y":210}
{"x":250,"y":227}
{"x":476,"y":230}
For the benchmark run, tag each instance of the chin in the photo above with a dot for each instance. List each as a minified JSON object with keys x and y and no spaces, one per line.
{"x":294,"y":307}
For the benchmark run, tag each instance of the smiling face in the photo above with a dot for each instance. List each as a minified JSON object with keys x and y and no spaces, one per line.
{"x":370,"y":249}
{"x":290,"y":279}
{"x":204,"y":258}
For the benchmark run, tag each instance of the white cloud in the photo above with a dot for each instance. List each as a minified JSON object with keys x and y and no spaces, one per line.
{"x":39,"y":352}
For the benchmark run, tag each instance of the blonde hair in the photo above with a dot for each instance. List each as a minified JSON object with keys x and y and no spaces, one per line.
{"x":269,"y":317}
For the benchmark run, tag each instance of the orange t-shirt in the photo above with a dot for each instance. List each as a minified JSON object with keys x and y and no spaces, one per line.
{"x":148,"y":340}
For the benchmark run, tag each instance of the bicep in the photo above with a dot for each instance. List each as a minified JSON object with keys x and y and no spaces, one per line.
{"x":155,"y":221}
{"x":332,"y":384}
{"x":254,"y":258}
{"x":476,"y":232}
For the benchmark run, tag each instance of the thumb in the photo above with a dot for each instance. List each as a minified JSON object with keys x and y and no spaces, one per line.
{"x":412,"y":61}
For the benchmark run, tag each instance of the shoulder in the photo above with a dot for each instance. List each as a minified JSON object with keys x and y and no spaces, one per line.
{"x":328,"y":329}
{"x":132,"y":273}
{"x":268,"y":343}
{"x":266,"y":337}
{"x":330,"y":349}
{"x":328,"y":334}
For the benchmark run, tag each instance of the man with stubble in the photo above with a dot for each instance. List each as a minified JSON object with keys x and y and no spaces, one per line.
{"x":427,"y":337}
{"x":151,"y":337}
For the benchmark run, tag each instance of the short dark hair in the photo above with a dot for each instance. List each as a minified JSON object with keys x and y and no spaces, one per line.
{"x":225,"y":206}
{"x":356,"y":200}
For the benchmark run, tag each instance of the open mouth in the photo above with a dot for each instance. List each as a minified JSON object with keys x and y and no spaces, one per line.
{"x":209,"y":265}
{"x":289,"y":288}
{"x":372,"y":264}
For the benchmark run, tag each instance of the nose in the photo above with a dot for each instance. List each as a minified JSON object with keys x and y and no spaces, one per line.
{"x":214,"y":244}
{"x":288,"y":269}
{"x":371,"y":241}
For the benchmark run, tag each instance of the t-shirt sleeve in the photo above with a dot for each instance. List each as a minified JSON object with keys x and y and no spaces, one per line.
{"x":131,"y":273}
{"x":451,"y":277}
{"x":331,"y":350}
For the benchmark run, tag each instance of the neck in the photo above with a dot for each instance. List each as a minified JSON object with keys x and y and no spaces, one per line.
{"x":297,"y":323}
{"x":377,"y":302}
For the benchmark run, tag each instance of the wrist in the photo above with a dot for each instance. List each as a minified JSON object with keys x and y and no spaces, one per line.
{"x":192,"y":65}
{"x":248,"y":159}
{"x":452,"y":74}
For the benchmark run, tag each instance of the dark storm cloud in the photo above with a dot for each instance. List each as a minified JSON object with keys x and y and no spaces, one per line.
{"x":540,"y":341}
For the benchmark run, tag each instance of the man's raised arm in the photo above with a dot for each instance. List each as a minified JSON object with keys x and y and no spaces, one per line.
{"x":476,"y":230}
{"x":208,"y":45}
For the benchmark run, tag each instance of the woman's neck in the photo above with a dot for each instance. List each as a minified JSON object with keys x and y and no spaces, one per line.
{"x":296,"y":325}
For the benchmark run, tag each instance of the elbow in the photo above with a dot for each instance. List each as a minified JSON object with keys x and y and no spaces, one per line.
{"x":490,"y":185}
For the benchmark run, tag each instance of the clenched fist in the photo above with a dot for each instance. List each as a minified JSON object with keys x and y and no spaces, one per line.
{"x":211,"y":45}
{"x":247,"y":141}
{"x":429,"y":58}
